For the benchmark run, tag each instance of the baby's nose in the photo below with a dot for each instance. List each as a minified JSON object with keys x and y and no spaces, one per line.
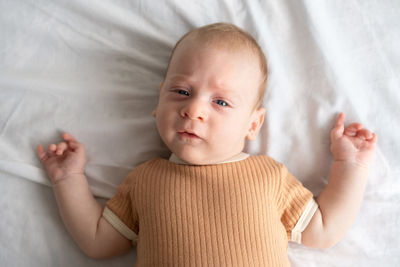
{"x":194,"y":110}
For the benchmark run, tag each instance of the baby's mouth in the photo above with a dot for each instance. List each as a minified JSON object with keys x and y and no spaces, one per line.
{"x":188,"y":134}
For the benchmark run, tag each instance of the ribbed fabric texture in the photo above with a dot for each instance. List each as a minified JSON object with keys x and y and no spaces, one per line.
{"x":232,"y":214}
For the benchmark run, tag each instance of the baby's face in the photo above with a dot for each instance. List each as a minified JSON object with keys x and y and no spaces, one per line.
{"x":206,"y":105}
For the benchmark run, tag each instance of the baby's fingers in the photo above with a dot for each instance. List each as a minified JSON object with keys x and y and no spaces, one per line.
{"x":338,"y":129}
{"x":61,"y":147}
{"x":41,"y":153}
{"x":68,"y":138}
{"x":373,"y":139}
{"x":73,"y":143}
{"x":353,"y":129}
{"x":77,"y":147}
{"x":51,"y":151}
{"x":365,"y":134}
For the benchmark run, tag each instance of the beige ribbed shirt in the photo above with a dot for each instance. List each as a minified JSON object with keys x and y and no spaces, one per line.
{"x":233,"y":214}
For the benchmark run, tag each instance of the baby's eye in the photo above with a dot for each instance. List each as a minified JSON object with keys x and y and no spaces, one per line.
{"x":183,"y":92}
{"x":221,"y":103}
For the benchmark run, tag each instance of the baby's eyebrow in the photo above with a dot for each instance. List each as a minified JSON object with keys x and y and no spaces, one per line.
{"x":229,"y":94}
{"x":222,"y":89}
{"x":176,"y":78}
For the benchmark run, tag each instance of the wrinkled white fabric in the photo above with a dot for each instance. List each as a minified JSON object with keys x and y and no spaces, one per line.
{"x":92,"y":68}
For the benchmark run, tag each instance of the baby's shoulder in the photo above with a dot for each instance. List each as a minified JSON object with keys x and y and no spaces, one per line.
{"x":265,"y":161}
{"x":151,"y":164}
{"x":268,"y":166}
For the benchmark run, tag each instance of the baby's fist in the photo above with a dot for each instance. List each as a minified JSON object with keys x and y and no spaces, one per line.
{"x":62,"y":160}
{"x":353,"y":144}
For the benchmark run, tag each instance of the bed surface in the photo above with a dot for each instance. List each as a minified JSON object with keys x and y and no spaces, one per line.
{"x":92,"y":69}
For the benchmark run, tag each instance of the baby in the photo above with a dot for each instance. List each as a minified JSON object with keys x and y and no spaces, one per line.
{"x":210,"y":204}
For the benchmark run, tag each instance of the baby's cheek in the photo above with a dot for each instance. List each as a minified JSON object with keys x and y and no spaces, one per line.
{"x":165,"y":125}
{"x":160,"y":121}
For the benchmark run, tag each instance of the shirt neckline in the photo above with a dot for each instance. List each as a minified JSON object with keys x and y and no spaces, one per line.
{"x":241,"y":156}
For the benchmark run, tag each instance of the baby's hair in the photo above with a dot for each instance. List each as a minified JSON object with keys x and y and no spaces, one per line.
{"x":231,"y":37}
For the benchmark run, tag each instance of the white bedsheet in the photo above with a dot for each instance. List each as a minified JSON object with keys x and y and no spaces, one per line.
{"x":92,"y":68}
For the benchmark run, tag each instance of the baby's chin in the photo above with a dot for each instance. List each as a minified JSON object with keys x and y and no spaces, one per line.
{"x":194,"y":159}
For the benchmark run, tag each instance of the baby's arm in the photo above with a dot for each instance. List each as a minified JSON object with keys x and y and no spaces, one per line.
{"x":81,"y":213}
{"x":340,"y":201}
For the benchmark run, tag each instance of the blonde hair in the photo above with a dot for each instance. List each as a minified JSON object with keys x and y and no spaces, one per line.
{"x":229,"y":36}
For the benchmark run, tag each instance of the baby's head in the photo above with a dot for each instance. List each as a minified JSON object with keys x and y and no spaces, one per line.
{"x":211,"y":94}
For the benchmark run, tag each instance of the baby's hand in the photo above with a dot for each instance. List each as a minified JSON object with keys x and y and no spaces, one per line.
{"x":64,"y":159}
{"x":353,"y":144}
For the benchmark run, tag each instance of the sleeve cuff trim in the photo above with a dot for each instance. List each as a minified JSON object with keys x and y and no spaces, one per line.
{"x":119,"y":225}
{"x":304,"y":220}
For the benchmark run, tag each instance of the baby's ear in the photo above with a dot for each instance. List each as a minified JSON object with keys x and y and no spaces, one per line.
{"x":256,"y":123}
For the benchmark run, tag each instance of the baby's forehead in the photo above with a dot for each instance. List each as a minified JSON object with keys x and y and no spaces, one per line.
{"x":224,"y":56}
{"x":224,"y":43}
{"x":192,"y":47}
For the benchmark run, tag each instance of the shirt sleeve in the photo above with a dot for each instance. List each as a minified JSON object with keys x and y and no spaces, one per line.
{"x":294,"y":201}
{"x":120,"y":210}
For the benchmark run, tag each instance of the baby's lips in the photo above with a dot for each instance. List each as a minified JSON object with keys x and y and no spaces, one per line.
{"x":188,"y":132}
